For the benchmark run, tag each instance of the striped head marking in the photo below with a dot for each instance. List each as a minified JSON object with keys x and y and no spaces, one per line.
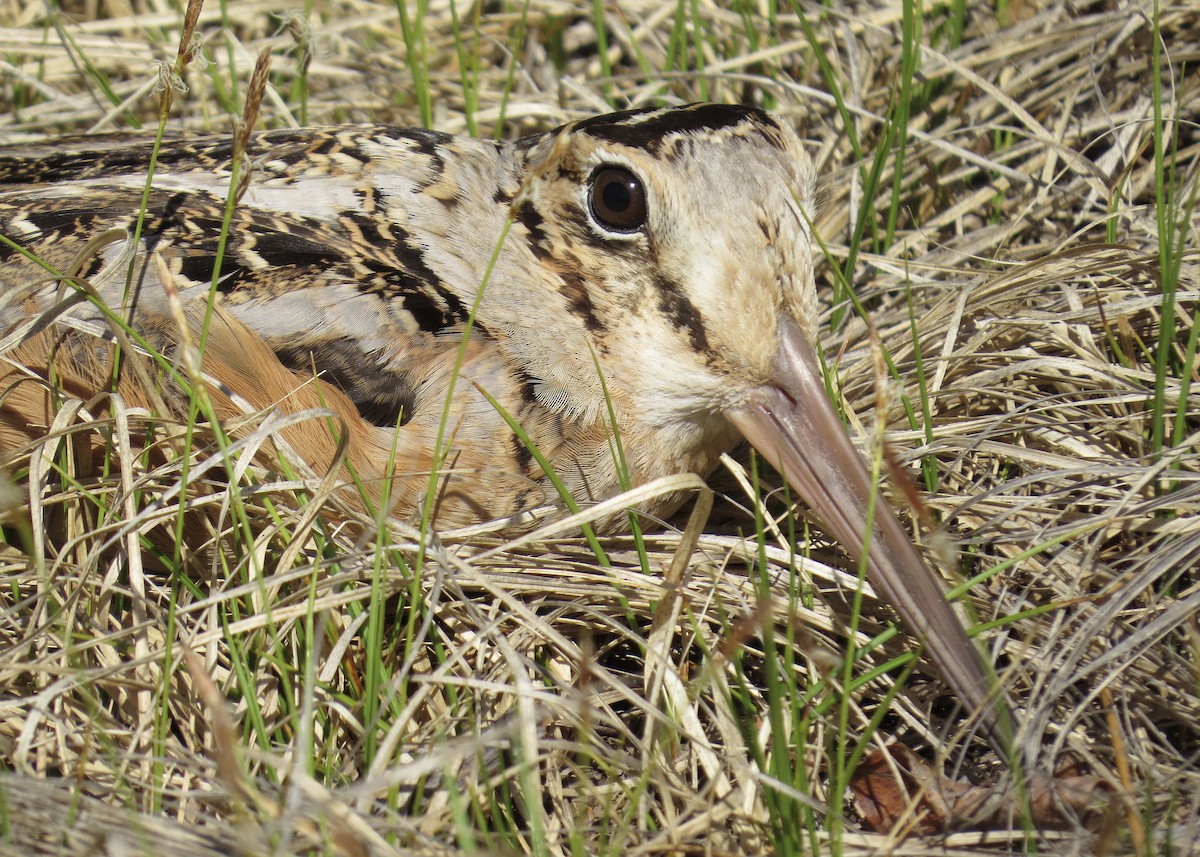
{"x":676,"y":239}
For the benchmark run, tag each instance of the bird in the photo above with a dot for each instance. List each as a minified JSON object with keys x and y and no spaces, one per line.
{"x":644,"y":275}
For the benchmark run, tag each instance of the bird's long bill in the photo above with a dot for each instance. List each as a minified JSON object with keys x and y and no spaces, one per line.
{"x":792,"y":424}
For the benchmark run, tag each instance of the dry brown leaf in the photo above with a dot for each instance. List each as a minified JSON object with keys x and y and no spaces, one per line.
{"x":894,"y":788}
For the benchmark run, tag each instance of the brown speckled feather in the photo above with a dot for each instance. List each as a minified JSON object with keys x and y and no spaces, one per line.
{"x":654,"y":265}
{"x":357,"y":252}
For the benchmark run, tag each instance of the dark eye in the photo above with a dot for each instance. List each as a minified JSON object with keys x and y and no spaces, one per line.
{"x":618,"y":199}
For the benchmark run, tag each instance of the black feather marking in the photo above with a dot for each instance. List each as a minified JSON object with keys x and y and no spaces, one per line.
{"x":429,"y":316}
{"x":424,"y":142}
{"x":529,"y":217}
{"x":368,"y":227}
{"x":574,"y":286}
{"x":678,"y":307}
{"x":353,"y":152}
{"x":198,"y":267}
{"x":528,"y":388}
{"x":522,"y":454}
{"x":413,"y":268}
{"x":325,"y":147}
{"x":53,"y":221}
{"x":72,"y":166}
{"x":381,"y":397}
{"x":278,"y":249}
{"x":574,"y":289}
{"x":650,"y":134}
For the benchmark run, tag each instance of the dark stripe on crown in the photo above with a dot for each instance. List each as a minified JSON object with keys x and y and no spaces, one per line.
{"x":650,"y":133}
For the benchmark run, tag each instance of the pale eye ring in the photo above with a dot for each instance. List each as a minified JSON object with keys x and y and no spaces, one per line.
{"x":618,"y":199}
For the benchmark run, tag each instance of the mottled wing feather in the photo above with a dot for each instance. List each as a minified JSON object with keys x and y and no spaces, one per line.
{"x":326,"y":291}
{"x":312,"y":265}
{"x":357,"y":251}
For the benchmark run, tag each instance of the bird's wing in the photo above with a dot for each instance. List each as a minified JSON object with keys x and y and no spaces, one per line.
{"x":325,"y":261}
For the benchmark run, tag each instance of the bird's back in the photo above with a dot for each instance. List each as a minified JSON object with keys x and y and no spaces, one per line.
{"x":347,"y":258}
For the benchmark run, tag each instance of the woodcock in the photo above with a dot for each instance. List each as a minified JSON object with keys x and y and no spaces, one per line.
{"x":659,"y":258}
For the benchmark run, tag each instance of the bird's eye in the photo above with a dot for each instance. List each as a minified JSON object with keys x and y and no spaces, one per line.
{"x":618,"y":199}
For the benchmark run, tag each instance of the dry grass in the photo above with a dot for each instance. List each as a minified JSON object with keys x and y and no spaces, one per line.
{"x":232,"y":672}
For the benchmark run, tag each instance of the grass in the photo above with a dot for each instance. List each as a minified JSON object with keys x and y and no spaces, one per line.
{"x":1010,"y":212}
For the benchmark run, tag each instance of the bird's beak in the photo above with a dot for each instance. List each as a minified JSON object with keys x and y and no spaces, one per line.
{"x":792,"y":424}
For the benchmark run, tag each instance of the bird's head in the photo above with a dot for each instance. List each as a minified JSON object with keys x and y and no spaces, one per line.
{"x":679,"y":243}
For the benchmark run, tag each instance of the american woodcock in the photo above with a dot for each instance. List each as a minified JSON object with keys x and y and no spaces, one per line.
{"x":657,"y":260}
